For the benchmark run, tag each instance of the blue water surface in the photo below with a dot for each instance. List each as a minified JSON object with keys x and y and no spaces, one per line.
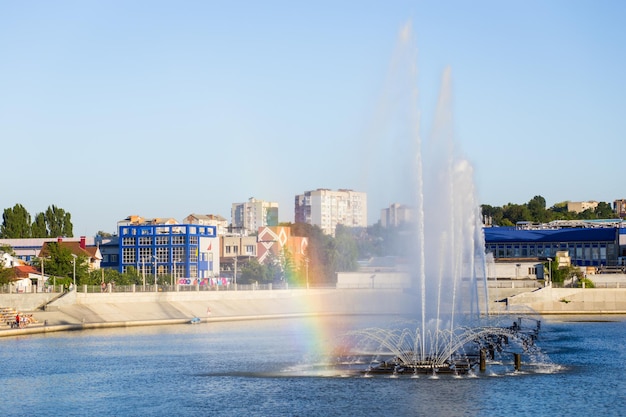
{"x":273,"y":368}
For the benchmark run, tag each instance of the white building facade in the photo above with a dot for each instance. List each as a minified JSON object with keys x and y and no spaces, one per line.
{"x":254,"y":214}
{"x":327,"y":209}
{"x":396,"y":215}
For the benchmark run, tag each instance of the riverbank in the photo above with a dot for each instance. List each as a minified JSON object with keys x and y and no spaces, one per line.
{"x":79,"y":311}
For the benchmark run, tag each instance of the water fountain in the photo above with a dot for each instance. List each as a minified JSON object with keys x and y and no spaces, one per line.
{"x":449,"y":279}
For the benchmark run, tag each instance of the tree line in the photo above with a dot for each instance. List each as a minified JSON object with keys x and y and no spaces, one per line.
{"x":326,"y":255}
{"x":18,"y":224}
{"x":535,"y":211}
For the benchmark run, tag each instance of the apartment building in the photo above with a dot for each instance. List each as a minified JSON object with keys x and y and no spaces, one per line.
{"x":396,"y":215}
{"x":327,"y":208}
{"x":253,"y":214}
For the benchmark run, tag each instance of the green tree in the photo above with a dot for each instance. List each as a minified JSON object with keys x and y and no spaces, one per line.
{"x":15,"y":223}
{"x":492,"y":215}
{"x":106,"y":275}
{"x":604,"y":211}
{"x":346,"y":249}
{"x":7,"y":249}
{"x":6,"y":274}
{"x":253,"y":271}
{"x":38,"y":227}
{"x":59,"y":262}
{"x":535,"y":211}
{"x":58,"y":222}
{"x":516,"y":213}
{"x":319,"y":253}
{"x":537,"y":208}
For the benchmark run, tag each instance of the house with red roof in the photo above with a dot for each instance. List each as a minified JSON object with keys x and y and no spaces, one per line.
{"x":92,"y":253}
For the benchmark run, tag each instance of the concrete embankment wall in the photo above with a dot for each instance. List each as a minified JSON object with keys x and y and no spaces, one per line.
{"x":116,"y":307}
{"x":570,"y":301}
{"x":104,"y":309}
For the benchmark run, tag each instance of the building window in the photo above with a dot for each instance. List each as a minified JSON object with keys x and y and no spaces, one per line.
{"x":162,"y":240}
{"x":145,"y":255}
{"x":128,"y":255}
{"x":249,"y":249}
{"x":145,"y":241}
{"x":178,"y":240}
{"x":128,"y":241}
{"x":178,"y":253}
{"x":595,"y":253}
{"x":162,"y":254}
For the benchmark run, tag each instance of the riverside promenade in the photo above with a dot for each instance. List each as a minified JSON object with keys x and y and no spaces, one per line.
{"x":83,"y":310}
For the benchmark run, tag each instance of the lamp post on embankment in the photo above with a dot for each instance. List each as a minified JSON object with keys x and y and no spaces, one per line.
{"x":155,"y":272}
{"x":549,"y":272}
{"x":74,"y":270}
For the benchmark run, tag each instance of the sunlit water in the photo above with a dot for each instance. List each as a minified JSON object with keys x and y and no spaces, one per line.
{"x":278,"y":368}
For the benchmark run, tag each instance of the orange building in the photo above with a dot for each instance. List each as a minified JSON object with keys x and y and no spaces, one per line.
{"x":275,"y":241}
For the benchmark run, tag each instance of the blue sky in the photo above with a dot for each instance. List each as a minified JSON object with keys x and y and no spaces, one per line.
{"x":163,"y":108}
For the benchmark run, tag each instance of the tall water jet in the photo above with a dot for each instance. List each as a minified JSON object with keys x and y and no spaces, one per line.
{"x":447,"y":333}
{"x":450,"y":234}
{"x":448,"y":262}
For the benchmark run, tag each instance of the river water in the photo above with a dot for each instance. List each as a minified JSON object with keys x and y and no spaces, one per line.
{"x":281,"y":368}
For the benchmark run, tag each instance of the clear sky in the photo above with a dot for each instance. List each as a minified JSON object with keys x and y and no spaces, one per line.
{"x":166,"y":108}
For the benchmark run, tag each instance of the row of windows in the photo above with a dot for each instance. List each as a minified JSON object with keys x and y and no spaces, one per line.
{"x":248,"y":250}
{"x":162,"y":270}
{"x":595,"y":251}
{"x":147,"y":256}
{"x":159,"y":240}
{"x":167,"y":230}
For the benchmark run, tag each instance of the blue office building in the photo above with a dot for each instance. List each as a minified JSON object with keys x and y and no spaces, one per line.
{"x":587,"y":246}
{"x":187,"y":253}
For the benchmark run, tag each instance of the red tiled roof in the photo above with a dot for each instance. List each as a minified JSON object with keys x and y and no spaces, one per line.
{"x":74,"y":247}
{"x":22,"y":271}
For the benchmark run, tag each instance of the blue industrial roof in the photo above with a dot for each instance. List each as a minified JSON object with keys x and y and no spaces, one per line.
{"x":511,"y":234}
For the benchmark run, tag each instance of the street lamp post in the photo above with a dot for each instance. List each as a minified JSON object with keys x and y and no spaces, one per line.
{"x":173,"y":279}
{"x":550,"y":271}
{"x":143,"y":272}
{"x":42,"y":274}
{"x":306,"y":260}
{"x":74,"y":269}
{"x":235,"y":274}
{"x":155,"y":271}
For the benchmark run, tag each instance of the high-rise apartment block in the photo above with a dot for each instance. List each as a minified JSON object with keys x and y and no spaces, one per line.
{"x":396,"y":215}
{"x":327,"y":208}
{"x":251,"y":215}
{"x":619,"y":207}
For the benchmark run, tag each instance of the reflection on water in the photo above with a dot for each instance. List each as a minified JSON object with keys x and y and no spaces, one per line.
{"x":282,"y":367}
